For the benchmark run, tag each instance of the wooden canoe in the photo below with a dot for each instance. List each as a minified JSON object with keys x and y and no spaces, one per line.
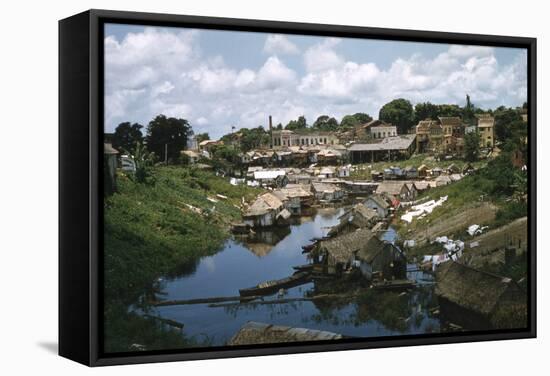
{"x":271,"y":287}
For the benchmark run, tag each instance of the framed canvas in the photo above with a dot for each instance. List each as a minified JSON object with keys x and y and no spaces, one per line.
{"x":234,"y":187}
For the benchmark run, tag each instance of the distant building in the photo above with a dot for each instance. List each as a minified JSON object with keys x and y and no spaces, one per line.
{"x":389,"y":148}
{"x":486,"y":128}
{"x":378,"y":129}
{"x":444,"y":135}
{"x":285,"y":138}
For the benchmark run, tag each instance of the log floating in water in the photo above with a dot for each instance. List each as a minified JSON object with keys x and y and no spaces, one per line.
{"x":287,"y":300}
{"x":270,"y":287}
{"x":205,"y":300}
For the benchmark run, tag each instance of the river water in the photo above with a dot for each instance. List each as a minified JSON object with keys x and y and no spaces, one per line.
{"x":240,"y":264}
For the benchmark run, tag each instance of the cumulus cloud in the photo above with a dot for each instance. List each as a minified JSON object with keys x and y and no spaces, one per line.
{"x":277,"y":44}
{"x":166,"y":71}
{"x":322,"y":56}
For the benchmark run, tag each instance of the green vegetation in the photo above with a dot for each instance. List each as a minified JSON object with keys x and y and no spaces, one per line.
{"x":400,"y":113}
{"x":126,"y":136}
{"x":300,"y":123}
{"x":156,"y":228}
{"x":471,"y":146}
{"x":325,"y":123}
{"x":150,"y":229}
{"x":167,"y":136}
{"x":497,"y":183}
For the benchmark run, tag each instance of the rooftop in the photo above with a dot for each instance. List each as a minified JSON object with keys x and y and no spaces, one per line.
{"x":402,"y":142}
{"x":260,"y":333}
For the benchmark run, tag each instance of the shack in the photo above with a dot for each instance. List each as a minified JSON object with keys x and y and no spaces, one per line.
{"x":298,"y":197}
{"x":476,"y":299}
{"x":398,"y":189}
{"x":422,"y":171}
{"x":271,"y":178}
{"x":378,"y":203}
{"x":327,"y":192}
{"x":382,"y":260}
{"x":260,"y":333}
{"x":359,"y":216}
{"x":411,"y":172}
{"x":264,"y":212}
{"x":338,"y":254}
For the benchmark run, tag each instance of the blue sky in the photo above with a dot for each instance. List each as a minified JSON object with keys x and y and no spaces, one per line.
{"x":217,"y":79}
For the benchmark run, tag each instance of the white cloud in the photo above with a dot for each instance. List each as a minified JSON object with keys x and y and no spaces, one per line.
{"x":274,"y":73}
{"x":322,"y":56}
{"x":166,"y":71}
{"x":277,"y":44}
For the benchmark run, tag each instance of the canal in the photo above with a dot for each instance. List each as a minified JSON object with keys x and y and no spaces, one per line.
{"x":271,"y":255}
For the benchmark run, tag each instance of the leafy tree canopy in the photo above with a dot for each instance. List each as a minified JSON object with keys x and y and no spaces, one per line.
{"x":200,"y":137}
{"x":299,"y":123}
{"x":398,"y":112}
{"x":350,"y":121}
{"x":504,"y":118}
{"x":325,"y":123}
{"x":167,"y":133}
{"x":471,"y":146}
{"x":126,"y":136}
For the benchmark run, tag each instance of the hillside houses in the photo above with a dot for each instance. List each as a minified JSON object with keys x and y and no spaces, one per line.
{"x":380,"y":204}
{"x":398,"y":189}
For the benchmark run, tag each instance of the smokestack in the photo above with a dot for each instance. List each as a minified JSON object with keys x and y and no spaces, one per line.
{"x":271,"y":131}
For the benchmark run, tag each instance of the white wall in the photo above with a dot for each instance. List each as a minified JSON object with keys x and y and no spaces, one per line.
{"x":28,"y":199}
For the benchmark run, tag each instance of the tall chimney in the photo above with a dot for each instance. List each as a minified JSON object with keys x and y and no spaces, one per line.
{"x":271,"y":131}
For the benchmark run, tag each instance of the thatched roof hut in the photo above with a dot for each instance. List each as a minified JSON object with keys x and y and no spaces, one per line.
{"x":497,"y":299}
{"x":259,"y":333}
{"x":264,"y":204}
{"x":342,"y":249}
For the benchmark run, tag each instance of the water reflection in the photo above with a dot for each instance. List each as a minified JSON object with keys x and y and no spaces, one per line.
{"x":244,"y":262}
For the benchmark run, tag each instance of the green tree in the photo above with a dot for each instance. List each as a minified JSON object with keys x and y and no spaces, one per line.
{"x":398,"y":112}
{"x":449,"y":110}
{"x":254,"y":138}
{"x":468,"y":113}
{"x":226,"y":152}
{"x":504,"y":118}
{"x":144,"y":161}
{"x":471,"y":146}
{"x":167,"y":134}
{"x":425,"y":111}
{"x":350,"y":121}
{"x":325,"y":123}
{"x":299,"y":123}
{"x":200,"y":137}
{"x":126,"y":136}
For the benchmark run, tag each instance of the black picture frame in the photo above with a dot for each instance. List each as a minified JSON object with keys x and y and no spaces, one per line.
{"x":80,"y":184}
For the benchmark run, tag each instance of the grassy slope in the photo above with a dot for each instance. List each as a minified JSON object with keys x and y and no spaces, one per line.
{"x":473,"y":196}
{"x":149,"y":232}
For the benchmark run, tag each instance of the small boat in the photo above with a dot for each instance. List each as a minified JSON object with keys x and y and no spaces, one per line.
{"x":271,"y":287}
{"x":395,"y":284}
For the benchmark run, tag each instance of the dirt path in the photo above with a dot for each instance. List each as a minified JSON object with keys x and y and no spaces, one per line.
{"x":479,"y":214}
{"x":514,"y":234}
